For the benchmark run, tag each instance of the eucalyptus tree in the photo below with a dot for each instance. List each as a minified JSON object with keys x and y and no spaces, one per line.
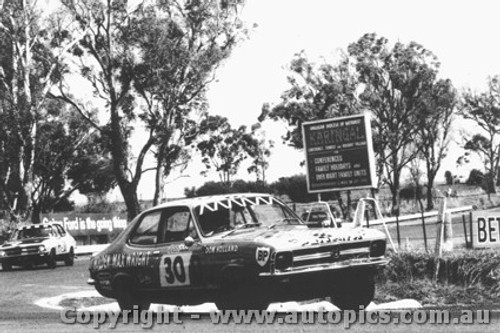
{"x":33,"y":48}
{"x":434,"y":123}
{"x":395,"y":81}
{"x":150,"y":66}
{"x":391,"y":82}
{"x":484,"y":109}
{"x":224,"y":148}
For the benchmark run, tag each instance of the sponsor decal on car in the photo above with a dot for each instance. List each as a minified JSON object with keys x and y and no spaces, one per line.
{"x":213,"y":249}
{"x":262,"y":255}
{"x":121,"y":260}
{"x":174,"y":270}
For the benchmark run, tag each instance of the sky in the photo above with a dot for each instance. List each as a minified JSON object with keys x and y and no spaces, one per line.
{"x":464,"y":35}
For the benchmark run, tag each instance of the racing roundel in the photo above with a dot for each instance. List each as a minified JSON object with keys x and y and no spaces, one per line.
{"x":262,"y":255}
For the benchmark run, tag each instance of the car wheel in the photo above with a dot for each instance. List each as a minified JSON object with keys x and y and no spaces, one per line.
{"x":69,"y":260}
{"x":51,"y":259}
{"x":354,"y":291}
{"x":6,"y":267}
{"x":238,"y":293}
{"x":127,"y":298}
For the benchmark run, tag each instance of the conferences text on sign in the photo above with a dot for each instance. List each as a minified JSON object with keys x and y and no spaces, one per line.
{"x":339,"y":154}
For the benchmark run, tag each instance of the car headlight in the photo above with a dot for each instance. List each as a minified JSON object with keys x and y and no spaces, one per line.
{"x":284,"y":260}
{"x":377,"y":248}
{"x":2,"y":253}
{"x":41,"y":248}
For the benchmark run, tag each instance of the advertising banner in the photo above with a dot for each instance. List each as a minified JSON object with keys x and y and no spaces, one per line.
{"x":339,"y":154}
{"x":88,"y":224}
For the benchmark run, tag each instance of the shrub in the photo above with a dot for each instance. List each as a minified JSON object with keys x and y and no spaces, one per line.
{"x":462,"y":267}
{"x":475,"y":177}
{"x":409,"y":192}
{"x":449,"y":177}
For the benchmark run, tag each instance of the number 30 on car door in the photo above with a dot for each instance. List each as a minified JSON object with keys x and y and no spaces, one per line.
{"x":174,"y":270}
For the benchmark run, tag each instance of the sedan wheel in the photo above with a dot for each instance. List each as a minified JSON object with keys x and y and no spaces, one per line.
{"x":127,"y":298}
{"x":51,"y":260}
{"x":6,"y":267}
{"x":354,"y":291}
{"x":70,"y":258}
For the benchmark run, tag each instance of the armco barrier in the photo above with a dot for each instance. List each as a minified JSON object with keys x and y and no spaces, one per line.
{"x":417,"y":218}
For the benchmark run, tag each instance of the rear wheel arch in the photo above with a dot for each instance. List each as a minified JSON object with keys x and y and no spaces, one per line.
{"x":122,"y":278}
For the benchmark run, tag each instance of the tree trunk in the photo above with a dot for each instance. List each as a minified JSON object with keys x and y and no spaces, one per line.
{"x":158,"y":178}
{"x":395,"y":194}
{"x":128,"y":188}
{"x":430,"y":187}
{"x":374,"y":193}
{"x":35,"y":214}
{"x":129,"y":193}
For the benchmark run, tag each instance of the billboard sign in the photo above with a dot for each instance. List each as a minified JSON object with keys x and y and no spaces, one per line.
{"x":339,"y":154}
{"x":89,"y":224}
{"x":486,"y":229}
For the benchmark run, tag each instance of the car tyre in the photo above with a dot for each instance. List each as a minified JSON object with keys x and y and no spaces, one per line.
{"x":127,"y":298}
{"x":6,"y":267}
{"x":69,"y":260}
{"x":354,"y":291}
{"x":51,"y":259}
{"x":238,"y":293}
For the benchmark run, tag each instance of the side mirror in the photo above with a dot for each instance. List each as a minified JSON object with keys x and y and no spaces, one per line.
{"x":188,"y":241}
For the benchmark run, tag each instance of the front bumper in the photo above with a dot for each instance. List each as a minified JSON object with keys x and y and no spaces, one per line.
{"x":23,"y":259}
{"x":328,"y":267}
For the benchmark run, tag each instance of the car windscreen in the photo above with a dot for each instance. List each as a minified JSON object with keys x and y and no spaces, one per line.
{"x":32,"y":232}
{"x":231,"y":214}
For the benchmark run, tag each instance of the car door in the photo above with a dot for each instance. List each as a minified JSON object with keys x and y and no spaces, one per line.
{"x":179,"y":248}
{"x":140,"y":255}
{"x":58,"y":240}
{"x":66,"y":239}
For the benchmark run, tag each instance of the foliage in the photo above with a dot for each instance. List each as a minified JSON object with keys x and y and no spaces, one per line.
{"x":223,"y":147}
{"x":70,"y":156}
{"x":179,"y":54}
{"x":150,"y":64}
{"x":296,"y":189}
{"x":30,"y":64}
{"x":239,"y":186}
{"x":434,"y":121}
{"x":428,"y":293}
{"x":411,"y":192}
{"x":316,"y":92}
{"x":261,"y":150}
{"x":395,"y":84}
{"x":460,"y":267}
{"x":476,"y":177}
{"x":484,"y":109}
{"x":448,"y":177}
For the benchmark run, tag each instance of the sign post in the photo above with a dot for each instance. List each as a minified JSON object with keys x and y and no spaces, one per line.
{"x":339,"y":154}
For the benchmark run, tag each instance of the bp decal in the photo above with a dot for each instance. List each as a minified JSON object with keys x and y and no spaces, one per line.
{"x":262,"y":255}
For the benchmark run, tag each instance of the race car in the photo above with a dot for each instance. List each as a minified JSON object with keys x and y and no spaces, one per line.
{"x":37,"y":244}
{"x":241,"y":251}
